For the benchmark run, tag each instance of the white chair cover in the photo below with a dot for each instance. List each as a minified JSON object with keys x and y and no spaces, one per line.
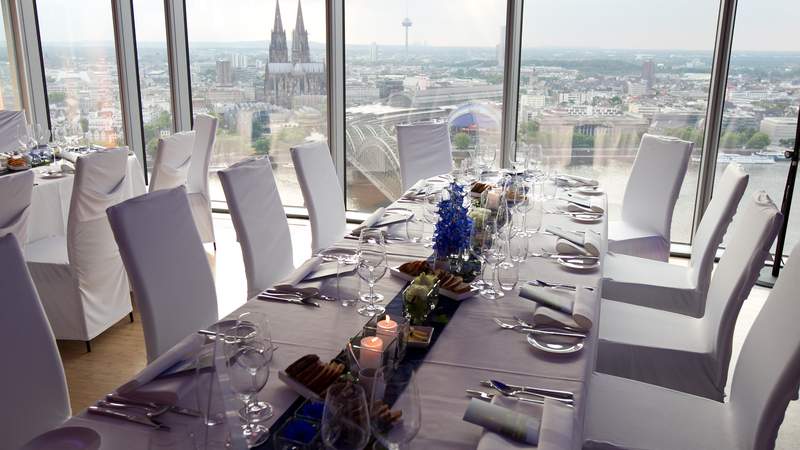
{"x":16,"y":191}
{"x":321,"y":192}
{"x":629,"y":414}
{"x":686,"y":353}
{"x":424,"y":151}
{"x":9,"y":122}
{"x":205,"y":128}
{"x":173,"y":159}
{"x":167,"y":265}
{"x":260,"y":222}
{"x":32,"y":383}
{"x":80,"y":279}
{"x":650,"y":197}
{"x":669,"y":287}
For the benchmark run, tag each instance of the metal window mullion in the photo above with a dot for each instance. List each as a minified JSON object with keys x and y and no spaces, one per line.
{"x":127,"y":68}
{"x":30,"y":53}
{"x":715,"y":110}
{"x":178,"y":52}
{"x":511,"y":68}
{"x":336,"y":102}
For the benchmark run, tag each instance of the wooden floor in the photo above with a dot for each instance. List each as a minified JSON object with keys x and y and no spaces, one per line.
{"x":119,"y":353}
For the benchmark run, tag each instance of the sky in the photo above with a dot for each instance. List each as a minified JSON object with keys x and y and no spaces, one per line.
{"x":619,"y":24}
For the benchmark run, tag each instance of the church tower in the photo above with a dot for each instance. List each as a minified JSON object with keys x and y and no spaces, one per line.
{"x":300,"y":51}
{"x":278,"y":51}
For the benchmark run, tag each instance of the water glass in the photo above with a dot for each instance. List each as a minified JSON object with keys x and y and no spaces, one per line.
{"x":345,"y":418}
{"x":519,"y":247}
{"x":343,"y":257}
{"x":507,"y":275}
{"x":549,"y":186}
{"x":415,"y":230}
{"x":396,"y":415}
{"x":248,"y":371}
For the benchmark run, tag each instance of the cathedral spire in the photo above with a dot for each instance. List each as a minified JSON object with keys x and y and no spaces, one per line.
{"x":300,"y":51}
{"x":278,"y":51}
{"x":278,"y":26}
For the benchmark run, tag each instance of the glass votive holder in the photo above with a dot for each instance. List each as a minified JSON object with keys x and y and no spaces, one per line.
{"x":367,"y":352}
{"x":390,"y":328}
{"x":297,"y":434}
{"x":311,"y":410}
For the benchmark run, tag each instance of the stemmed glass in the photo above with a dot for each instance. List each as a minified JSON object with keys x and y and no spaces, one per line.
{"x":431,"y":214}
{"x":493,"y":254}
{"x":248,"y":371}
{"x":400,"y":394}
{"x":345,"y":417}
{"x":477,"y":244}
{"x":518,"y":158}
{"x":533,"y":165}
{"x":522,"y":194}
{"x":25,"y":138}
{"x":251,"y":327}
{"x":372,"y":266}
{"x":486,"y":155}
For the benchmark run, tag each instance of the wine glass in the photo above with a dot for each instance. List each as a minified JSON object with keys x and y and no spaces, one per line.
{"x":494,"y":253}
{"x":251,"y":327}
{"x":396,"y":416}
{"x":523,"y":196}
{"x":487,"y":155}
{"x":477,"y":243}
{"x":534,"y":164}
{"x":248,"y":372}
{"x":372,"y":267}
{"x":518,"y":158}
{"x":431,"y":214}
{"x":23,"y":138}
{"x":345,"y":417}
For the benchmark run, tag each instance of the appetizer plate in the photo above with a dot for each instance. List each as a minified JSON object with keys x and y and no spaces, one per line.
{"x":396,"y":272}
{"x":589,"y":190}
{"x":420,"y":343}
{"x":299,"y":387}
{"x":572,"y":265}
{"x":555,"y":344}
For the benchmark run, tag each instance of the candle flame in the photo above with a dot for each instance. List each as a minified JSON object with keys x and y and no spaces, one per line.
{"x":387,"y":318}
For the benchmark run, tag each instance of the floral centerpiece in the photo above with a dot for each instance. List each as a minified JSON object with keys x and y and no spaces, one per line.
{"x":453,"y":229}
{"x":420,"y":298}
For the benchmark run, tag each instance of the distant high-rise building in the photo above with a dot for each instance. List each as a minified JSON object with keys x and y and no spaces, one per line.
{"x":406,"y":25}
{"x":239,"y":61}
{"x":649,"y":73}
{"x":779,"y":128}
{"x":500,"y":49}
{"x":373,"y":52}
{"x":636,"y":89}
{"x":224,"y":72}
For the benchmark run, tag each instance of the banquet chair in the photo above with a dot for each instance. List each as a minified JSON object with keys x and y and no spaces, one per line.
{"x":32,"y":383}
{"x":260,"y":222}
{"x":624,"y":413}
{"x":205,"y":128}
{"x":686,"y":353}
{"x":167,"y":266}
{"x":173,"y":159}
{"x":80,"y":277}
{"x":321,"y":192}
{"x":15,"y":208}
{"x":649,"y":199}
{"x":424,"y":151}
{"x":670,"y":287}
{"x":10,"y":121}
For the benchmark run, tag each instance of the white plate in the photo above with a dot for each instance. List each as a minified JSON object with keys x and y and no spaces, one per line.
{"x":52,"y":175}
{"x":66,"y":438}
{"x":578,"y":266}
{"x":589,"y":190}
{"x":583,"y":217}
{"x":420,"y":344}
{"x":299,"y":387}
{"x":396,"y":272}
{"x":555,"y":344}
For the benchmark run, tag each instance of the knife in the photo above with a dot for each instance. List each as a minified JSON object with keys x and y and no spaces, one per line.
{"x":295,"y":300}
{"x":173,"y":408}
{"x":541,"y":391}
{"x":130,"y":418}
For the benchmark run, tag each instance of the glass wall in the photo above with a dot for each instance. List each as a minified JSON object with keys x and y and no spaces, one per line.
{"x":595,"y":76}
{"x":154,"y":81}
{"x":264,"y":79}
{"x":762,"y":98}
{"x":80,"y":67}
{"x":418,"y":61}
{"x":9,"y":85}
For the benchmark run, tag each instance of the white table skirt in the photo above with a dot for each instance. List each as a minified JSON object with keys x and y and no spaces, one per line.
{"x":51,"y":198}
{"x":470,"y":349}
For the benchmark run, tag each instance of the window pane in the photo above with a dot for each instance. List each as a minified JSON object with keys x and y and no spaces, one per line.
{"x":762,"y":98}
{"x":587,"y":99}
{"x":417,"y":61}
{"x":80,"y":67}
{"x":265,"y":79}
{"x":9,"y":86}
{"x":154,"y":81}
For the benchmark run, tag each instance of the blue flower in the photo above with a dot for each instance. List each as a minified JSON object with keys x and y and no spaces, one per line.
{"x":452,"y":231}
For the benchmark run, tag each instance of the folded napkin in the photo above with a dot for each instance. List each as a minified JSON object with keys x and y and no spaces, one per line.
{"x":329,"y":269}
{"x":587,"y":243}
{"x":302,"y":272}
{"x":146,"y":385}
{"x":519,"y":425}
{"x":555,"y":431}
{"x":371,"y":220}
{"x":559,"y":306}
{"x":581,"y":180}
{"x":579,"y":203}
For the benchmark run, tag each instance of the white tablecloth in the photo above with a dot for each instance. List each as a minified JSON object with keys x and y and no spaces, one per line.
{"x":51,"y":197}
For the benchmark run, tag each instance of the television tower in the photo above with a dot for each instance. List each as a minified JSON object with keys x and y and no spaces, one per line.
{"x":406,"y":25}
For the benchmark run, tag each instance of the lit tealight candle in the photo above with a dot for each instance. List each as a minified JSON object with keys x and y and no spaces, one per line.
{"x":492,"y":200}
{"x":387,"y":328}
{"x":371,"y":353}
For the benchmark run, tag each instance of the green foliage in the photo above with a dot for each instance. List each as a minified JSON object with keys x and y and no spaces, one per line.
{"x":529,"y":131}
{"x":690,"y":134}
{"x":56,"y":97}
{"x":152,"y":130}
{"x":84,"y":124}
{"x":758,"y":141}
{"x":257,"y":130}
{"x":582,"y":140}
{"x":462,"y":140}
{"x":787,"y":142}
{"x":262,"y":145}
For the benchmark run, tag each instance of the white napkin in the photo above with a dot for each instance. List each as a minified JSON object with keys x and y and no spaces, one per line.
{"x":301,"y":272}
{"x":329,"y":269}
{"x":579,"y":203}
{"x":581,"y":180}
{"x":572,"y":243}
{"x":555,"y":432}
{"x":166,"y":392}
{"x":560,"y":306}
{"x":371,"y":220}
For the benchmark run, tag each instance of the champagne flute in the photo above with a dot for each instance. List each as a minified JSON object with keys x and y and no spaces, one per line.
{"x":396,"y":415}
{"x":372,"y":266}
{"x":345,"y":417}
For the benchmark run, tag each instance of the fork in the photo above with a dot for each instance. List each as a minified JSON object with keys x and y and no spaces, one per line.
{"x":546,"y":284}
{"x":507,"y":391}
{"x":488,"y":397}
{"x":523,"y":329}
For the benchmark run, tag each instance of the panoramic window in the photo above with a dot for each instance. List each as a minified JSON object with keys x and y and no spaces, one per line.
{"x":154,"y":81}
{"x":80,"y":68}
{"x":762,"y":97}
{"x":264,"y":79}
{"x":9,"y":86}
{"x":587,"y":98}
{"x":418,"y":61}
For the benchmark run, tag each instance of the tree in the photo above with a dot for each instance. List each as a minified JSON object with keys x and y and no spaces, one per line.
{"x":582,"y":140}
{"x":262,"y":145}
{"x":462,"y":141}
{"x":787,"y":142}
{"x":56,"y":97}
{"x":758,"y":141}
{"x":84,"y":125}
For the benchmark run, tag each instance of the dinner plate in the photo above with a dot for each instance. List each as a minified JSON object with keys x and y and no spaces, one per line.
{"x":589,"y":190}
{"x":584,"y":217}
{"x":570,"y":264}
{"x":52,"y":175}
{"x":555,"y":344}
{"x":226,"y":325}
{"x":66,"y":438}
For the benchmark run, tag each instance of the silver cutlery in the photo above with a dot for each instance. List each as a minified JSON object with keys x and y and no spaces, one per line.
{"x":546,"y":284}
{"x":149,"y":412}
{"x":488,"y":397}
{"x":311,"y":292}
{"x":141,"y":420}
{"x":508,"y":391}
{"x":542,"y":391}
{"x":591,"y":214}
{"x":563,"y":256}
{"x":116,"y":398}
{"x":288,"y":299}
{"x":524,"y":329}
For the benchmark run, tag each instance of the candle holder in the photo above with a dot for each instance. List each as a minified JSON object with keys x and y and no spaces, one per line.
{"x":400,"y":336}
{"x":371,"y":352}
{"x":419,"y":300}
{"x":297,"y":434}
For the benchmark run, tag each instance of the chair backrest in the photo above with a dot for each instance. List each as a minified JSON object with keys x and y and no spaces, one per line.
{"x":173,"y":159}
{"x":424,"y":151}
{"x":321,"y":192}
{"x":167,"y":266}
{"x":714,"y":223}
{"x":655,"y":182}
{"x":16,"y":191}
{"x":768,"y":370}
{"x":205,"y":128}
{"x":9,"y":123}
{"x":754,"y":228}
{"x":32,"y":383}
{"x":260,"y":222}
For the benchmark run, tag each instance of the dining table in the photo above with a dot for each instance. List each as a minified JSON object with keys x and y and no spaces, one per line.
{"x":470,"y":348}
